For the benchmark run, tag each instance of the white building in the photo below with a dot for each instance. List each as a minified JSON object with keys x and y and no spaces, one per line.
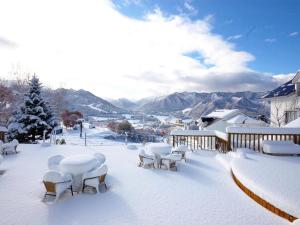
{"x":222,"y":118}
{"x":285,"y":105}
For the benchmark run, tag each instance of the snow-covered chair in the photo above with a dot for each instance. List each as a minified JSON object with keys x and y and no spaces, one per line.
{"x":95,"y":178}
{"x":181,"y":149}
{"x":100,"y":157}
{"x":145,"y":159}
{"x":56,"y":183}
{"x":53,"y":162}
{"x":10,"y":147}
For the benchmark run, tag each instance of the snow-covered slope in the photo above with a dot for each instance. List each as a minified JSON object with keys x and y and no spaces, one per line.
{"x":89,"y":104}
{"x":124,"y":103}
{"x":204,"y":103}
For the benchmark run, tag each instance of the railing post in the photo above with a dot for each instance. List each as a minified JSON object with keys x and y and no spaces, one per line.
{"x":173,"y":137}
{"x":229,"y":142}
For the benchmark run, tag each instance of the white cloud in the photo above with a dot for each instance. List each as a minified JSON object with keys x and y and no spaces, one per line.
{"x":270,"y":40}
{"x":90,"y":45}
{"x":293,"y":34}
{"x":188,"y":5}
{"x":234,"y":37}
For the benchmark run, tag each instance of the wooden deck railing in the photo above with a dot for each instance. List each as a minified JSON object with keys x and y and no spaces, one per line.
{"x":199,"y":139}
{"x":236,"y":137}
{"x":253,"y":138}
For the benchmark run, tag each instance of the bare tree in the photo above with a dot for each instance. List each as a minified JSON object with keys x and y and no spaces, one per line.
{"x":276,"y":115}
{"x":58,"y":100}
{"x":6,"y":100}
{"x":280,"y":109}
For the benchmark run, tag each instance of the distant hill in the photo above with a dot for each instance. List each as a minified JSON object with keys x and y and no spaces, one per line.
{"x":88,"y":103}
{"x":194,"y":104}
{"x":124,"y":103}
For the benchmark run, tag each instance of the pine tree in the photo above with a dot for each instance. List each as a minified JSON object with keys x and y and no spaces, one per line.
{"x":33,"y":117}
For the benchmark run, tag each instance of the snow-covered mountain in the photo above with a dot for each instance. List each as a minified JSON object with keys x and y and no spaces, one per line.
{"x":195,"y":104}
{"x":124,"y":103}
{"x":88,"y":103}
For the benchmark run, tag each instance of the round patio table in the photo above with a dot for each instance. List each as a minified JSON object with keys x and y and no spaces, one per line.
{"x":77,"y":165}
{"x":159,"y":148}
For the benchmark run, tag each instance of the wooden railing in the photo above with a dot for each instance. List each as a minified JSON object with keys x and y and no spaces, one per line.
{"x":236,"y":137}
{"x":253,"y":138}
{"x":195,"y":140}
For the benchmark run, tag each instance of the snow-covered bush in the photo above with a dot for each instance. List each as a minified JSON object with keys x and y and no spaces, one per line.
{"x":33,"y":116}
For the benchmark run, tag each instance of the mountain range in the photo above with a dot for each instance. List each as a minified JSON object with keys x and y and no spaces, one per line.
{"x":181,"y":104}
{"x":194,"y":104}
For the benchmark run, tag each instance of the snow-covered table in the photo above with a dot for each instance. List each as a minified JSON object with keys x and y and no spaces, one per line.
{"x":281,"y":148}
{"x":159,"y":148}
{"x":77,"y":165}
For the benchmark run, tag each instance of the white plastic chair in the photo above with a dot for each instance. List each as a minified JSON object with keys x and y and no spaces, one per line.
{"x":145,"y":159}
{"x":56,"y":183}
{"x":53,"y":162}
{"x":100,"y":157}
{"x":95,"y":178}
{"x":10,"y":147}
{"x":181,"y":149}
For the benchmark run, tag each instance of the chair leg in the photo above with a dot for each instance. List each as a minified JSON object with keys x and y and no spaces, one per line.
{"x":83,"y":186}
{"x":97,"y":188}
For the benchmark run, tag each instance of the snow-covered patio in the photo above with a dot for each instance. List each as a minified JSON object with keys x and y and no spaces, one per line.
{"x":201,"y":192}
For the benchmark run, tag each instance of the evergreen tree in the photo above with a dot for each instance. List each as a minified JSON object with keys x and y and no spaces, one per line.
{"x":33,"y":117}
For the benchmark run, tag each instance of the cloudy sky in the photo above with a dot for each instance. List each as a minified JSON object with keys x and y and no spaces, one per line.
{"x":140,"y":48}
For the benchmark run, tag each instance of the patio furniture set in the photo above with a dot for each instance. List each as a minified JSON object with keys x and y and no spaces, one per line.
{"x":10,"y":147}
{"x":158,"y":155}
{"x":77,"y":173}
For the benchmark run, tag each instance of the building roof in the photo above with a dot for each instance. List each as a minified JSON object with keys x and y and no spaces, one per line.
{"x":283,"y":90}
{"x":222,"y":113}
{"x":243,"y":119}
{"x":294,"y":123}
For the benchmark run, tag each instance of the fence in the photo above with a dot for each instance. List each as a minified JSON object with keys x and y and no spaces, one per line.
{"x":236,"y":137}
{"x":240,"y":137}
{"x":200,"y":139}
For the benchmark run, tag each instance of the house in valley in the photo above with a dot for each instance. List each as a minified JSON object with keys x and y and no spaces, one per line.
{"x":284,"y":99}
{"x":220,"y":119}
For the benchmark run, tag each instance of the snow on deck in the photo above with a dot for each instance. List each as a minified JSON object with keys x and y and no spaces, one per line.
{"x":273,"y":178}
{"x":201,"y":192}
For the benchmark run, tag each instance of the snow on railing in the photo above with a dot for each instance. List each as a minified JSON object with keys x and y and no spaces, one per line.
{"x":200,"y":139}
{"x":263,"y":130}
{"x":236,"y":137}
{"x":253,"y":138}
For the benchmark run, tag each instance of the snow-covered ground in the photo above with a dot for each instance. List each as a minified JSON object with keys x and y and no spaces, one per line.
{"x":273,"y":178}
{"x":94,"y":137}
{"x":200,"y":193}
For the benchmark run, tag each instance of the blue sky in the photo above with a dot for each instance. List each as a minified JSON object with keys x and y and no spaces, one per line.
{"x":269,"y":30}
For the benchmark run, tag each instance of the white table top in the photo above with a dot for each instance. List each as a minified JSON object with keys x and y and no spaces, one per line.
{"x":78,"y":164}
{"x":159,"y":148}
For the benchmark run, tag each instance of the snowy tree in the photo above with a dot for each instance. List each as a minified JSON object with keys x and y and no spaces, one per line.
{"x":33,"y":117}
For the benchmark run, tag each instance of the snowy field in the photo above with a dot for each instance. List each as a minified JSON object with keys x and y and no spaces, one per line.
{"x":94,"y":137}
{"x":200,"y":193}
